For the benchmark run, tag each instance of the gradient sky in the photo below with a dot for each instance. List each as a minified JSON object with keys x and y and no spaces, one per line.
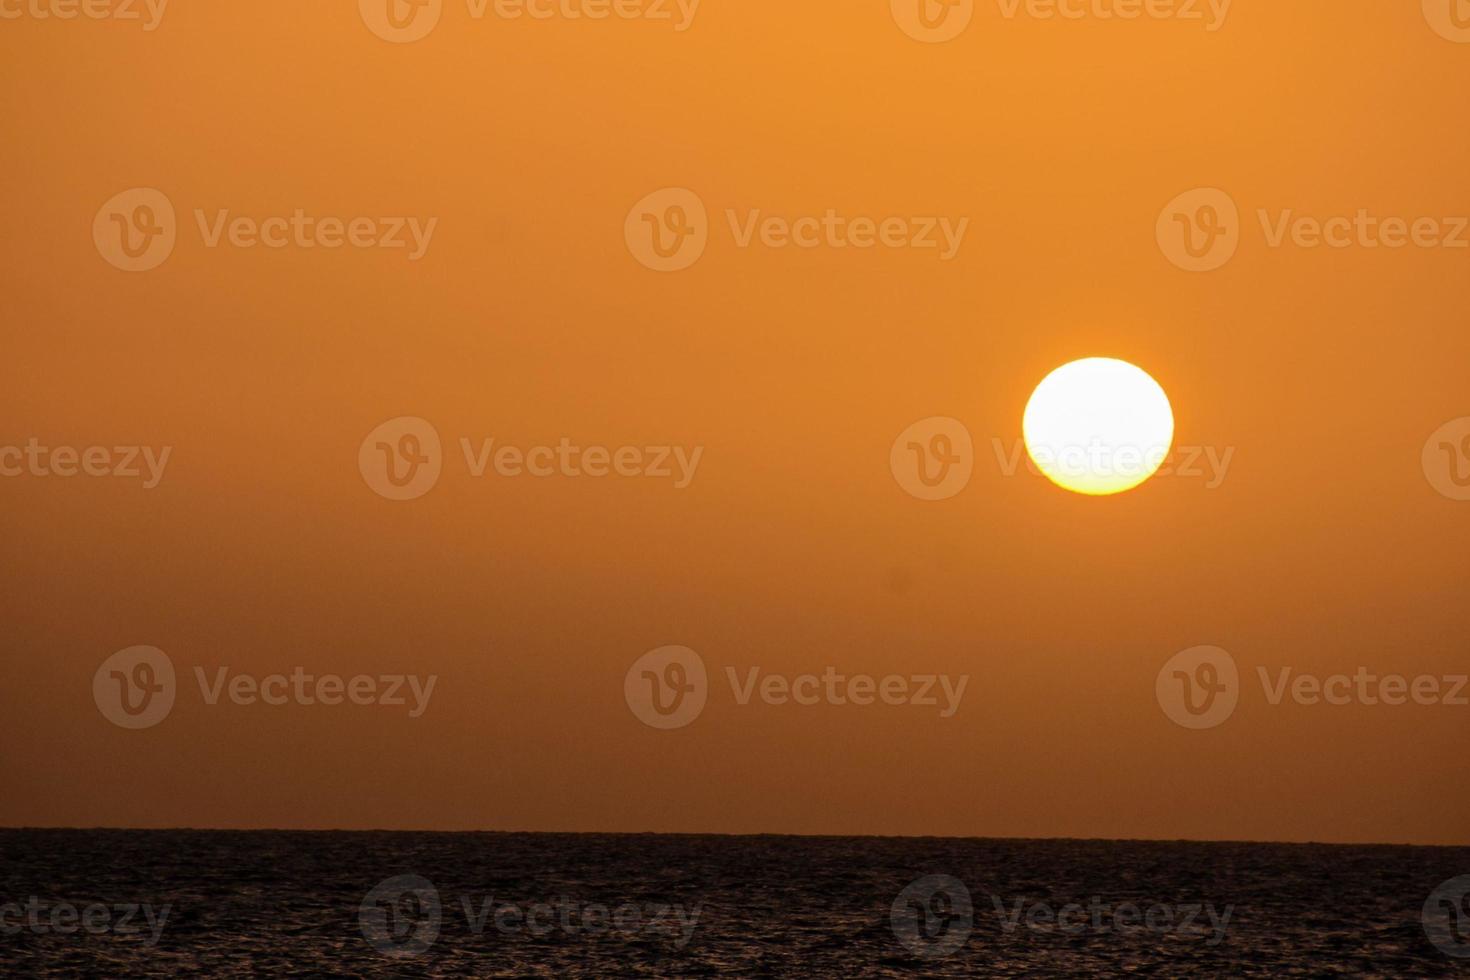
{"x":794,"y":549}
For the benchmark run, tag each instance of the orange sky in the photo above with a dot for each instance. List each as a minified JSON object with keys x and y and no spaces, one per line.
{"x":528,"y":319}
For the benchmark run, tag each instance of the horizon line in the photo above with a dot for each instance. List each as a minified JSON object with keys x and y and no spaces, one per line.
{"x":760,"y":834}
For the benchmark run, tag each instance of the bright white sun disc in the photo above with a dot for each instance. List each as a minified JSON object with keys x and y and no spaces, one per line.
{"x":1098,"y":426}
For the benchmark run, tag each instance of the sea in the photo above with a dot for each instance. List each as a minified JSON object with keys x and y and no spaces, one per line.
{"x":129,"y":903}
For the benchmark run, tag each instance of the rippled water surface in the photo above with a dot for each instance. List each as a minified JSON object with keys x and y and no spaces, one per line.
{"x":412,"y":904}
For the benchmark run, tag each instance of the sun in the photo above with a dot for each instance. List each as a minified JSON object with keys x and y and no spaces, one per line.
{"x":1098,"y":426}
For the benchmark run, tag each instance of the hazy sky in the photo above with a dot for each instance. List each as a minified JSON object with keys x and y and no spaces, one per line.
{"x":531,"y":316}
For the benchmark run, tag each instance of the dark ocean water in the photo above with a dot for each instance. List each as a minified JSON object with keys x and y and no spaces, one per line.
{"x":185,"y":903}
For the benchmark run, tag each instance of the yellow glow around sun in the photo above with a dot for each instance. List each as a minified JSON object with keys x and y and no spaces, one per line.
{"x":1098,"y":426}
